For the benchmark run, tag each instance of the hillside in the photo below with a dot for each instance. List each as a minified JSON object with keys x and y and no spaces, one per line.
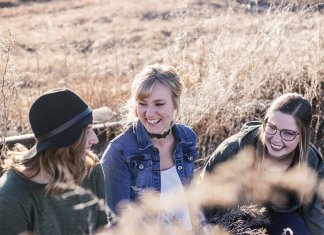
{"x":234,"y":56}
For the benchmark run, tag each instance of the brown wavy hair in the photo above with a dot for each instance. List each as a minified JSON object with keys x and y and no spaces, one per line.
{"x":66,"y":165}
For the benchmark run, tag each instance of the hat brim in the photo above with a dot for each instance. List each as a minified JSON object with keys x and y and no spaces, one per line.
{"x":31,"y":153}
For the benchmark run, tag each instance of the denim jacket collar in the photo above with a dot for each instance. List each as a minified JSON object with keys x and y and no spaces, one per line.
{"x":144,"y":140}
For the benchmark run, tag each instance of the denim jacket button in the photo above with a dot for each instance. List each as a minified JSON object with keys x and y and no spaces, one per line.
{"x":179,"y":168}
{"x":191,"y":158}
{"x":141,"y":166}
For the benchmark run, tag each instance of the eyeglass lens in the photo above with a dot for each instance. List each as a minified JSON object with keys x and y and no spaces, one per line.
{"x":285,"y":134}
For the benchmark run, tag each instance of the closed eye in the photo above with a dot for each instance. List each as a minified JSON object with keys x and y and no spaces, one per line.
{"x":141,"y":103}
{"x":273,"y":127}
{"x":159,"y":104}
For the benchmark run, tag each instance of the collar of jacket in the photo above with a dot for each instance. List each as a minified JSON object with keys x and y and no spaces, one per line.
{"x":144,"y":140}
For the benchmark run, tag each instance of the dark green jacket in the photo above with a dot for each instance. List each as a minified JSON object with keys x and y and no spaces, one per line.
{"x":248,"y":136}
{"x":24,"y":206}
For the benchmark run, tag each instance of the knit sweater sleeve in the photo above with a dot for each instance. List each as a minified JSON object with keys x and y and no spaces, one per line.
{"x":15,"y":216}
{"x":99,"y":190}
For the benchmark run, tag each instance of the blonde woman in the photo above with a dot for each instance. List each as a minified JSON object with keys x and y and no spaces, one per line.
{"x":154,"y":152}
{"x":42,"y":188}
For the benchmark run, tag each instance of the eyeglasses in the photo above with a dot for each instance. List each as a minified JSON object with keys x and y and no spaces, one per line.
{"x":287,"y":135}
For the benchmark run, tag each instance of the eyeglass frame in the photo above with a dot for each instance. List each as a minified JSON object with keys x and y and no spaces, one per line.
{"x":264,"y":127}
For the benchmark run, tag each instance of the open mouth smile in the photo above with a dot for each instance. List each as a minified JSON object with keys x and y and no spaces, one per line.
{"x":153,"y":121}
{"x":276,"y":147}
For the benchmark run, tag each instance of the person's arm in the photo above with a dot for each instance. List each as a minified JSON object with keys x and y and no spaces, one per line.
{"x":117,"y":177}
{"x":313,"y":213}
{"x":224,"y":151}
{"x":101,"y":222}
{"x":14,"y":216}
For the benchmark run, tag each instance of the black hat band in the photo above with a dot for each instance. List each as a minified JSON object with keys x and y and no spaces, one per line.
{"x":65,"y":126}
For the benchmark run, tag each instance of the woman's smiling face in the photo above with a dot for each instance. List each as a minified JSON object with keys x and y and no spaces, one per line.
{"x":277,"y":147}
{"x":156,"y":112}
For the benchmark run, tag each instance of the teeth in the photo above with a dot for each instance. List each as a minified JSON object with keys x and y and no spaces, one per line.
{"x":153,"y":121}
{"x":278,"y":147}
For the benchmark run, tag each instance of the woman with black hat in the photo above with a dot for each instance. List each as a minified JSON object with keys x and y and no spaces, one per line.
{"x":57,"y":186}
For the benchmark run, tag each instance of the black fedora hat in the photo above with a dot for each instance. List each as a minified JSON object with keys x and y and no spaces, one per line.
{"x":57,"y":119}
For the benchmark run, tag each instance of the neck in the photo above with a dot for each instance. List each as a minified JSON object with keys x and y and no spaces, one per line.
{"x":271,"y":164}
{"x":42,"y":177}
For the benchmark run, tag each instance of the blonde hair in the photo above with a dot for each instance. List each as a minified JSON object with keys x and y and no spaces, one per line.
{"x":145,"y":81}
{"x":64,"y":164}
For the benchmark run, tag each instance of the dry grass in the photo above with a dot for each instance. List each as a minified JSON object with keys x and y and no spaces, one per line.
{"x":234,"y":57}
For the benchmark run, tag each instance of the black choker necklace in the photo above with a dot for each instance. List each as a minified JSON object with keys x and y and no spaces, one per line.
{"x":159,"y":136}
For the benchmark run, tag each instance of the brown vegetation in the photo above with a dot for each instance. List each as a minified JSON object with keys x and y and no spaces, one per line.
{"x":234,"y":57}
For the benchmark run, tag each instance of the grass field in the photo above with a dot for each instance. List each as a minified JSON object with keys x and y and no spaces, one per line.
{"x":235,"y":57}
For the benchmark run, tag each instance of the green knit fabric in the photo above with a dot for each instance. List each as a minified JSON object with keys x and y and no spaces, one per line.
{"x":25,"y":207}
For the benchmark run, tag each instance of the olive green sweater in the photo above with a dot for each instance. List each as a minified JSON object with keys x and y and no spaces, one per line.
{"x":24,"y":206}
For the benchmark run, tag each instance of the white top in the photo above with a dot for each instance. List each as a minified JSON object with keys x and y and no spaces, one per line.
{"x":172,"y":189}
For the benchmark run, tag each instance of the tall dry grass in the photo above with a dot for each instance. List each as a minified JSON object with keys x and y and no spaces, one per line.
{"x":235,"y":57}
{"x":235,"y":64}
{"x":8,"y":87}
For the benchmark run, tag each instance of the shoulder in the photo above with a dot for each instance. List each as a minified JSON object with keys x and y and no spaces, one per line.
{"x":315,"y":160}
{"x":185,"y":128}
{"x":13,"y":188}
{"x":97,"y":171}
{"x":94,"y":177}
{"x":125,"y":138}
{"x":247,"y":136}
{"x":10,"y":180}
{"x":125,"y":135}
{"x":122,"y":145}
{"x":184,"y":132}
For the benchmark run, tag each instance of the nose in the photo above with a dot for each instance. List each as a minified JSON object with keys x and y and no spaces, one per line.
{"x":92,"y":137}
{"x":277,"y":136}
{"x":150,"y":111}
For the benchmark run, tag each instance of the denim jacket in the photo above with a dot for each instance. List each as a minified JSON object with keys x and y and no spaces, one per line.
{"x":132,"y":164}
{"x":248,"y":135}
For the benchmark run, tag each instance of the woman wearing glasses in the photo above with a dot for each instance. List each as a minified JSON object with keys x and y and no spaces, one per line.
{"x":279,"y":143}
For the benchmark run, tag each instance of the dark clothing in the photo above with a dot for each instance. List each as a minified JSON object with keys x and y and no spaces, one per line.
{"x":248,"y":136}
{"x":281,"y":221}
{"x":132,"y":164}
{"x":24,"y":206}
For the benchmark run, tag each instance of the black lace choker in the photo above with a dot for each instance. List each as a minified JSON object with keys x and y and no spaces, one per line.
{"x":159,"y":136}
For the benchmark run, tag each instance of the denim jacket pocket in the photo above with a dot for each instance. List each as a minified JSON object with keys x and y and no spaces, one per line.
{"x":141,"y":171}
